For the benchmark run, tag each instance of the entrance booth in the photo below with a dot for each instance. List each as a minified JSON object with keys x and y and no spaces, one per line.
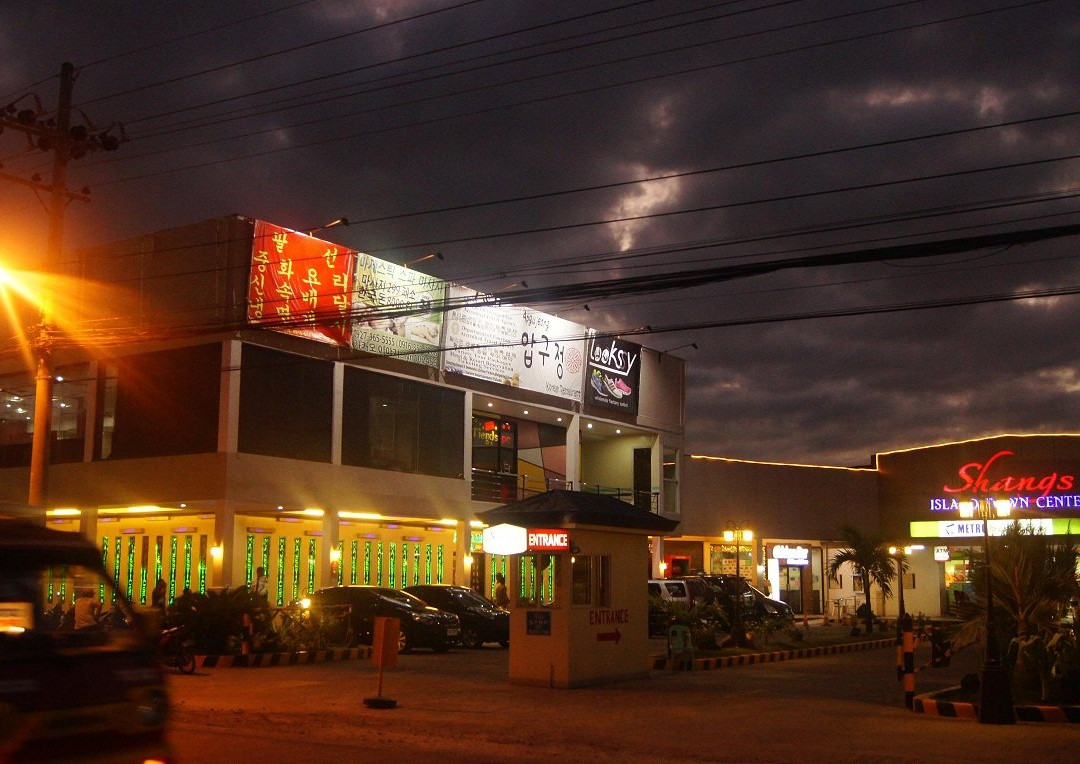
{"x":579,"y":603}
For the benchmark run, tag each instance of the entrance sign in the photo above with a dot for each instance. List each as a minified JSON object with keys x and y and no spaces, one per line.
{"x":548,"y":540}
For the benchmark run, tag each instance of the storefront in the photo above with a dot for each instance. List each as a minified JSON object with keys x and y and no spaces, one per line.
{"x":939,"y":497}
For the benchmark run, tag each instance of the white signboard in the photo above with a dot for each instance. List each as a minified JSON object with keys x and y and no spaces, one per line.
{"x":505,"y":539}
{"x":514,"y":345}
{"x":957,"y":528}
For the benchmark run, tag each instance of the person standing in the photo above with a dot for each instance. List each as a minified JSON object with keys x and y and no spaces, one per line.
{"x":502,"y":599}
{"x":159,"y":595}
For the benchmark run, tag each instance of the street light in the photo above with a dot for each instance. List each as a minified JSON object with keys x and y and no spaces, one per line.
{"x":995,"y":697}
{"x":737,"y":534}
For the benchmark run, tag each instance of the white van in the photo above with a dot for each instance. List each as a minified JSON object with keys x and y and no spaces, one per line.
{"x":670,"y":590}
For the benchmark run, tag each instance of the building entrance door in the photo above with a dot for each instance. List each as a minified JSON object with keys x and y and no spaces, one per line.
{"x":791,"y":586}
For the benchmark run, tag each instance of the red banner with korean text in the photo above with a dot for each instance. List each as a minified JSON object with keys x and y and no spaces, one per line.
{"x":300,"y":284}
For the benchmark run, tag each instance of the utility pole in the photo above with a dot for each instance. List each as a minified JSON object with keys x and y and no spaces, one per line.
{"x":66,"y":142}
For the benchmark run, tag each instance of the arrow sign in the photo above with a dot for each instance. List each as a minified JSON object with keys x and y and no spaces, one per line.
{"x":609,"y":636}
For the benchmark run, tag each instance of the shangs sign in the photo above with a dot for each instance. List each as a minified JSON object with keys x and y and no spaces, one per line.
{"x":613,"y":374}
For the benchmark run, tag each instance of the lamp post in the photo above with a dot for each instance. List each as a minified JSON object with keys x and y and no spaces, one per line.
{"x":899,"y":554}
{"x":737,"y":534}
{"x":995,"y":696}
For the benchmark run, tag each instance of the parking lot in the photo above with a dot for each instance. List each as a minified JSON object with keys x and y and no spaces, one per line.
{"x":459,"y":705}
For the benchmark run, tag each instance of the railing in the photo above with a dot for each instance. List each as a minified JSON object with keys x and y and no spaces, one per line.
{"x":504,"y":487}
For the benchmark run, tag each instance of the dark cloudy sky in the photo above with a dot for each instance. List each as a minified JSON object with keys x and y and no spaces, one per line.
{"x":508,"y":134}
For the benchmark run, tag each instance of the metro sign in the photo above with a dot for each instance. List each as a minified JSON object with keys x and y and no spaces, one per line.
{"x":548,"y":540}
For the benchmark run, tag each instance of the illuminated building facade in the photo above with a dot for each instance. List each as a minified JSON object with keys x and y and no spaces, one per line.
{"x":264,"y":398}
{"x":914,"y":497}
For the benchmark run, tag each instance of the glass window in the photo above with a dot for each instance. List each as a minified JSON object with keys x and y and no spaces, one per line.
{"x":581,"y":580}
{"x":18,"y":397}
{"x":538,"y":573}
{"x":286,"y":405}
{"x":671,"y":481}
{"x":163,"y":403}
{"x":591,"y":580}
{"x":397,"y":424}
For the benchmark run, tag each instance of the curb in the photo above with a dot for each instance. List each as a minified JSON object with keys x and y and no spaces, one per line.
{"x":265,"y":660}
{"x":925,"y":704}
{"x":706,"y":664}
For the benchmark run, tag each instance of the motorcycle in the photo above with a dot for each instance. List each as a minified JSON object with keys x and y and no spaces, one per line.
{"x":175,"y":649}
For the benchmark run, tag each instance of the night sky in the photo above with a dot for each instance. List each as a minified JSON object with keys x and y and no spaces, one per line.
{"x":577,"y":141}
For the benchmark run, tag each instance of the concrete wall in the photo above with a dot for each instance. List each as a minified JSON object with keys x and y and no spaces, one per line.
{"x":776,"y":501}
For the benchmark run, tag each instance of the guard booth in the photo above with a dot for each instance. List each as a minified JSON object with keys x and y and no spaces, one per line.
{"x":579,"y":602}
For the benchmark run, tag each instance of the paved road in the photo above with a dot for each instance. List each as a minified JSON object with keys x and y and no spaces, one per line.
{"x":459,"y":707}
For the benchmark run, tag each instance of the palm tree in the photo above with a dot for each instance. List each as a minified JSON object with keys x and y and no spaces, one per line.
{"x":1034,"y":580}
{"x":868,"y":554}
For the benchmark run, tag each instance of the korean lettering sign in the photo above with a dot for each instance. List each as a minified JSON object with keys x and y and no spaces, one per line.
{"x":613,"y":374}
{"x":299,"y":284}
{"x":513,"y":345}
{"x":399,"y":311}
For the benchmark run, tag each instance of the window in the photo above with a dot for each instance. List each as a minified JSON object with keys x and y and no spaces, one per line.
{"x":581,"y":580}
{"x":591,"y":580}
{"x":671,"y":481}
{"x":397,"y":424}
{"x":537,"y":576}
{"x":161,"y":404}
{"x":286,"y":405}
{"x":18,"y":396}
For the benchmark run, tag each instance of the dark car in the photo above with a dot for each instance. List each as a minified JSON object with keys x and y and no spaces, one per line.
{"x":347,"y":615}
{"x":481,"y":621}
{"x":78,"y":675}
{"x":754,"y":604}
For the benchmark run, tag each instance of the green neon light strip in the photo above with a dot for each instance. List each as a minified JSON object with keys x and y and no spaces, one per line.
{"x":266,"y":554}
{"x":404,"y":565}
{"x":187,"y":563}
{"x":142,"y":569}
{"x":116,"y":564}
{"x":296,"y":569}
{"x":393,"y":565}
{"x":353,"y":561}
{"x":51,"y":584}
{"x":158,"y":558}
{"x":439,"y":567}
{"x":130,"y":583}
{"x":427,"y":563}
{"x":172,"y":568}
{"x":341,"y":562}
{"x":367,"y":562}
{"x":378,"y":563}
{"x":203,"y":541}
{"x":249,"y":559}
{"x":104,"y":564}
{"x":312,"y":550}
{"x":281,"y":571}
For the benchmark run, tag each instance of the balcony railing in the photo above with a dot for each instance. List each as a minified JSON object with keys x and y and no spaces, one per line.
{"x":504,"y":487}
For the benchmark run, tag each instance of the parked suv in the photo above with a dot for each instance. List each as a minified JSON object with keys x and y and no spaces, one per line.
{"x":347,"y":615}
{"x":755,"y":604}
{"x":481,"y":621}
{"x":78,"y":679}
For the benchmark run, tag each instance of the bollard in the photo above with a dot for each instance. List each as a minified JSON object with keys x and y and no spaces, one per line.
{"x":909,"y":664}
